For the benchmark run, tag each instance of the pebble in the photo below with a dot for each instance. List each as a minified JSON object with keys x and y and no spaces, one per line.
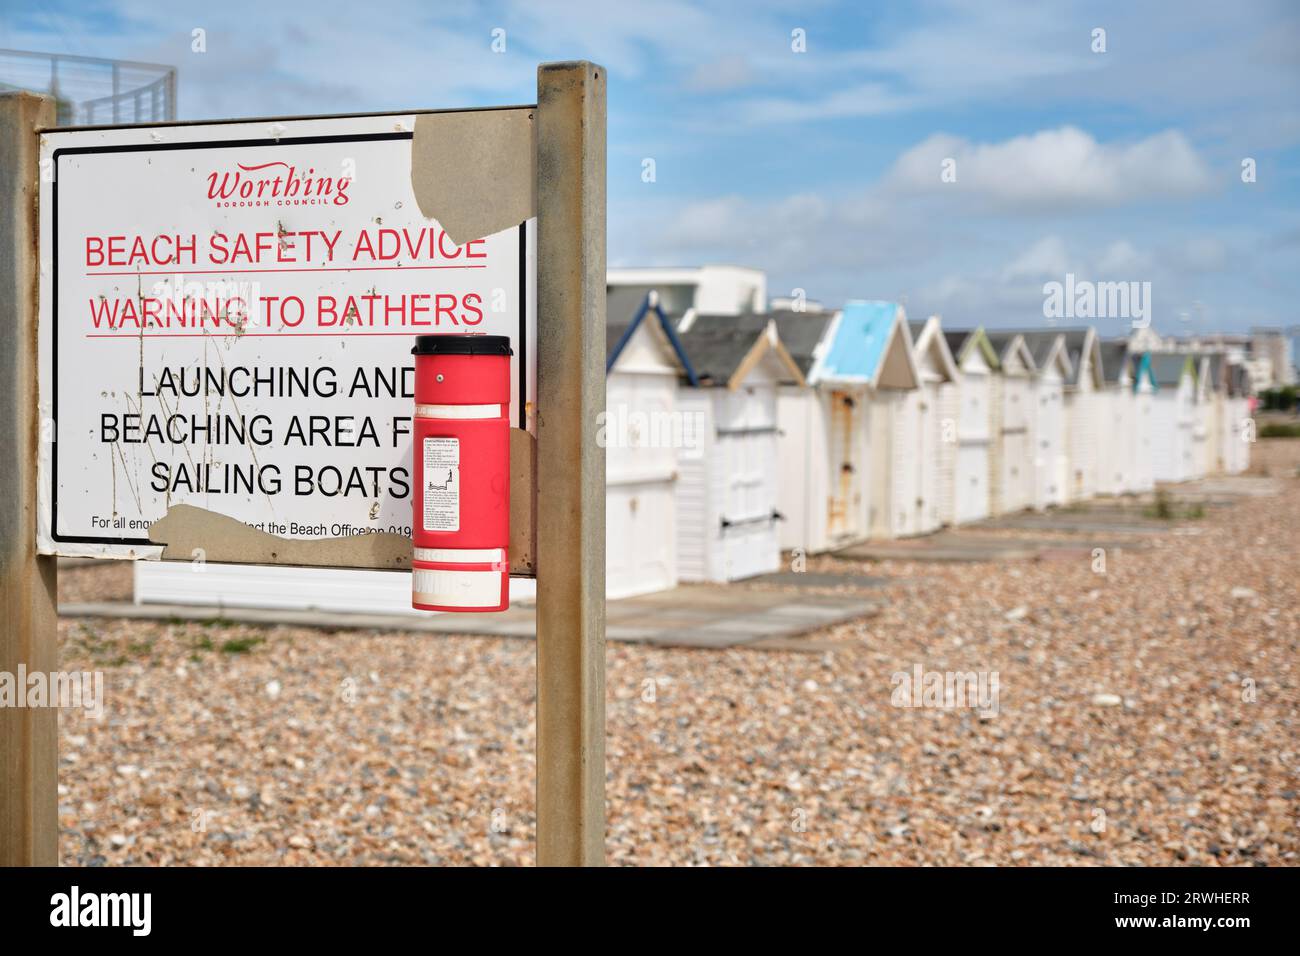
{"x":1192,"y":758}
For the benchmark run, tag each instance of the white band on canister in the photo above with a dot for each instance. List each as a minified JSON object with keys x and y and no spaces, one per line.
{"x":457,"y":588}
{"x":458,"y":411}
{"x":460,"y":555}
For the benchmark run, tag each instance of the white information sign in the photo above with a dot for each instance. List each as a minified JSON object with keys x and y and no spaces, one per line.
{"x":226,"y":318}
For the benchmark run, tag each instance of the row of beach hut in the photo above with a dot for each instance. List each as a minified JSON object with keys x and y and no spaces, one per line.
{"x":734,"y":434}
{"x":733,"y":437}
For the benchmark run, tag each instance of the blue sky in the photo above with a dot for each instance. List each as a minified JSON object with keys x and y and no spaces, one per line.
{"x":823,"y":167}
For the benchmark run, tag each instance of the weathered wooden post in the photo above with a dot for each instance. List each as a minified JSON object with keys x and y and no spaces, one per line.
{"x":28,"y":618}
{"x":570,"y":465}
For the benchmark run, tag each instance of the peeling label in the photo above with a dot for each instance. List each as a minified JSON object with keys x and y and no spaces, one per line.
{"x":474,"y":171}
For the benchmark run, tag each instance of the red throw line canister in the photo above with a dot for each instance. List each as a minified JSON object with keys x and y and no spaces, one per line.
{"x":461,"y":458}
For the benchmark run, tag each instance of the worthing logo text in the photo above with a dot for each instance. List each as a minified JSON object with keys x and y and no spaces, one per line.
{"x":276,"y":183}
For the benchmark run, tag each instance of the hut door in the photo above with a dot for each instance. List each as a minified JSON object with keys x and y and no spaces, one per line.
{"x":839,"y":518}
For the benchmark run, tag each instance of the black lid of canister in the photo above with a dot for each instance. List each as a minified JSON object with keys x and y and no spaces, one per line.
{"x":453,"y":344}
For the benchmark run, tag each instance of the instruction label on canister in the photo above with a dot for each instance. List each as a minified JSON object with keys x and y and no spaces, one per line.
{"x":442,"y":484}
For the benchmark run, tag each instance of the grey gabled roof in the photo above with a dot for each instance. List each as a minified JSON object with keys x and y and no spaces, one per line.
{"x":1041,"y":341}
{"x":1114,"y":359}
{"x":717,"y":344}
{"x":1001,"y":341}
{"x":801,"y":333}
{"x":1167,"y":368}
{"x":1075,"y":342}
{"x":1218,"y":371}
{"x":623,"y":305}
{"x":1040,"y":345}
{"x":956,"y":339}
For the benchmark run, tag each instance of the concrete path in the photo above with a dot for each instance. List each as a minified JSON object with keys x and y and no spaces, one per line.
{"x":706,"y":616}
{"x":1225,"y":487}
{"x":1079,"y":521}
{"x":943,"y":546}
{"x":846,"y":580}
{"x":1113,"y":524}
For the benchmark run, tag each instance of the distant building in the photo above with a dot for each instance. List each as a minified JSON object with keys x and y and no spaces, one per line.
{"x":1265,"y":353}
{"x":785,"y":303}
{"x":712,"y":290}
{"x":1271,"y":358}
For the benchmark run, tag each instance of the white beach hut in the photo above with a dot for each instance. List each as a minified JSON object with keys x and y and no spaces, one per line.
{"x":977,"y":361}
{"x":1236,"y":432}
{"x":1224,"y":414}
{"x":1142,"y":475}
{"x":938,"y":409}
{"x":1050,"y":462}
{"x":1117,"y":445}
{"x":727,"y":503}
{"x":1173,"y":413}
{"x":1011,"y":470}
{"x":1084,"y":408}
{"x":641,"y":429}
{"x":848,"y":461}
{"x":1205,"y":416}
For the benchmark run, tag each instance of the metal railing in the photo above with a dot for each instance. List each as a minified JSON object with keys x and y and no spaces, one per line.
{"x":91,"y":90}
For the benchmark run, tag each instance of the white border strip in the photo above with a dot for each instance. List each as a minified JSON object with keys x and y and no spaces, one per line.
{"x":457,"y":588}
{"x":461,"y":555}
{"x":457,"y":411}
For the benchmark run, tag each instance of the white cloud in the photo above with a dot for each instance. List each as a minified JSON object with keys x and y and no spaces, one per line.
{"x":865,"y":99}
{"x":1121,"y":258}
{"x":707,"y":84}
{"x":957,"y":53}
{"x":802,"y":238}
{"x":724,"y":73}
{"x":1046,"y":258}
{"x":1054,"y":168}
{"x":1049,"y":259}
{"x":1205,"y":254}
{"x":709,"y":222}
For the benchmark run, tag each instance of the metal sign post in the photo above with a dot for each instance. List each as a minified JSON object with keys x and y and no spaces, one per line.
{"x":570,"y":465}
